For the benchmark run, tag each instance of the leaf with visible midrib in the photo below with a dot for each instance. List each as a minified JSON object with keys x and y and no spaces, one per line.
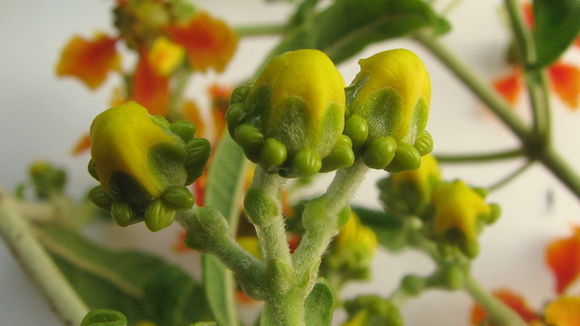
{"x":223,"y":192}
{"x":128,"y":281}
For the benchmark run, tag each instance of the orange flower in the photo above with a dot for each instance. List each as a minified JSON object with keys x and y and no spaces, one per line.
{"x":220,"y":100}
{"x":209,"y":42}
{"x":565,"y":80}
{"x":82,"y":145}
{"x":510,"y":86}
{"x":565,"y":311}
{"x":192,"y":112}
{"x":150,"y":89}
{"x":563,"y":258}
{"x":89,"y":60}
{"x":513,"y":300}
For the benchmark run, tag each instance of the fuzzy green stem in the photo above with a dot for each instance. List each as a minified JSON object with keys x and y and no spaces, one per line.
{"x":510,"y":177}
{"x":37,"y":262}
{"x":545,"y":153}
{"x":499,"y":313}
{"x":181,"y":78}
{"x":264,"y":209}
{"x":260,"y":30}
{"x":535,"y":78}
{"x":480,"y":157}
{"x":317,"y":237}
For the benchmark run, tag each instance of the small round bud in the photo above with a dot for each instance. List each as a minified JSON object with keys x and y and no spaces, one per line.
{"x":306,"y":163}
{"x":273,"y":154}
{"x":406,"y":158}
{"x":99,"y":197}
{"x":357,"y":129}
{"x":197,"y":152}
{"x":453,"y":277}
{"x":341,"y":155}
{"x":251,"y":140}
{"x":122,"y":213}
{"x":104,"y":317}
{"x":92,"y":170}
{"x":380,"y":152}
{"x":178,"y":197}
{"x":424,"y":144}
{"x":413,"y":284}
{"x":184,"y":129}
{"x":158,"y":216}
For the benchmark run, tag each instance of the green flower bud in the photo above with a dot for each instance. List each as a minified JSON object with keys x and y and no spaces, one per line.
{"x":104,"y":317}
{"x":409,"y":192}
{"x":392,"y":93}
{"x":47,"y":179}
{"x":453,"y":277}
{"x":341,"y":155}
{"x":357,"y":129}
{"x":100,"y":197}
{"x":372,"y":310}
{"x":413,"y":284}
{"x":140,"y":159}
{"x":158,"y":216}
{"x":92,"y":170}
{"x":297,"y":100}
{"x":460,"y":213}
{"x":380,"y":152}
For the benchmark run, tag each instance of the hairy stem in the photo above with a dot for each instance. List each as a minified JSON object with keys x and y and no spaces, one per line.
{"x":499,"y":313}
{"x":480,"y":157}
{"x":37,"y":262}
{"x":545,"y":153}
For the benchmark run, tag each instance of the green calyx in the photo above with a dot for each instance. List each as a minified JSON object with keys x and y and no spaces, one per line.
{"x":144,"y":164}
{"x":389,"y":99}
{"x":290,"y":120}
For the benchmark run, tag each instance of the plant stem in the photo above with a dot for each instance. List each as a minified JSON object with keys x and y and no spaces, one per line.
{"x":318,"y":236}
{"x":510,"y":177}
{"x":260,"y":30}
{"x":546,"y":154}
{"x":534,"y":77}
{"x":36,"y":261}
{"x":181,"y":76}
{"x":499,"y":313}
{"x":480,"y":157}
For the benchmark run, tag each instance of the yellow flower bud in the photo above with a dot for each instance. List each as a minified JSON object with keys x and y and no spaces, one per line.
{"x":409,"y":192}
{"x":392,"y":93}
{"x":460,"y":213}
{"x":143,"y":164}
{"x":290,"y":119}
{"x":165,"y":56}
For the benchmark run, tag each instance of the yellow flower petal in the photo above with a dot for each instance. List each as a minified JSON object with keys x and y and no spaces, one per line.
{"x":565,"y":311}
{"x":165,"y":56}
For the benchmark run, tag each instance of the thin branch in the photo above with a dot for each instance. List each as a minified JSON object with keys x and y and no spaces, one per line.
{"x":480,"y":157}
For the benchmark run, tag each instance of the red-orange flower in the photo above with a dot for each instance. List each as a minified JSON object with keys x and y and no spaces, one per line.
{"x":209,"y":42}
{"x":563,"y":258}
{"x":89,"y":60}
{"x":150,"y":89}
{"x":510,"y":86}
{"x":565,"y":80}
{"x":82,"y":145}
{"x":512,"y":300}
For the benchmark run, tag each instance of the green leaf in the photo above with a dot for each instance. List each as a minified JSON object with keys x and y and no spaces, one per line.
{"x":347,"y":27}
{"x":557,"y":23}
{"x":319,"y":305}
{"x":141,"y":286}
{"x":104,"y":317}
{"x":390,"y":230}
{"x":226,"y":175}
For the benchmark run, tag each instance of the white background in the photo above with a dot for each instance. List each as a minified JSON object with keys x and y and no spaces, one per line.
{"x":41,"y":117}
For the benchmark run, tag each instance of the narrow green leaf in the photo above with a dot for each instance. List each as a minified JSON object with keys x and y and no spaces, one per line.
{"x":346,"y":27}
{"x":226,"y":174}
{"x":390,"y":230}
{"x":557,"y":23}
{"x":319,"y":305}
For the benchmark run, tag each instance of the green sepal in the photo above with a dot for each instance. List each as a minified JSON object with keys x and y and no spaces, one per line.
{"x":273,"y":154}
{"x":380,"y":152}
{"x":240,"y":94}
{"x":320,"y":305}
{"x":92,"y":170}
{"x":406,"y":158}
{"x":161,"y":121}
{"x":340,"y":156}
{"x":122,"y":213}
{"x":184,"y":129}
{"x":305,"y":163}
{"x":158,"y":216}
{"x":234,"y":115}
{"x":197,"y":153}
{"x":424,"y":144}
{"x":494,"y":214}
{"x":178,"y":197}
{"x":357,"y":129}
{"x":100,"y":197}
{"x":104,"y":317}
{"x":250,"y":139}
